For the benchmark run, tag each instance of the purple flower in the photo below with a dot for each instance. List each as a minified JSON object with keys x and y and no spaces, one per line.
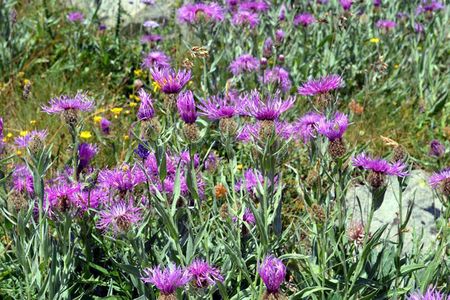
{"x":270,"y":109}
{"x":35,"y":135}
{"x":193,"y":13}
{"x":334,"y":128}
{"x":65,"y":103}
{"x":102,"y":27}
{"x":156,"y":59}
{"x":150,"y":38}
{"x":279,"y":36}
{"x":150,"y":24}
{"x":142,"y":151}
{"x":268,"y":47}
{"x":418,"y":27}
{"x":119,"y":217}
{"x":146,"y":111}
{"x":105,"y":126}
{"x":216,"y":107}
{"x":386,"y":24}
{"x":122,"y":179}
{"x":244,"y":64}
{"x":441,"y":178}
{"x":436,"y":149}
{"x":282,"y":15}
{"x":377,"y":3}
{"x":272,"y":272}
{"x":304,"y":19}
{"x":322,"y":1}
{"x":322,"y":85}
{"x":186,"y":107}
{"x":379,"y":165}
{"x":401,"y":16}
{"x":249,"y":217}
{"x":203,"y":274}
{"x":171,"y":82}
{"x":1,"y":128}
{"x":75,"y":16}
{"x":429,"y":6}
{"x":86,"y":153}
{"x":211,"y":162}
{"x":346,"y":4}
{"x":167,"y":280}
{"x":91,"y":199}
{"x":245,"y":18}
{"x":279,"y":76}
{"x":252,"y":178}
{"x":254,"y":6}
{"x":22,"y":179}
{"x":430,"y":294}
{"x":148,"y":2}
{"x":61,"y":197}
{"x":307,"y":125}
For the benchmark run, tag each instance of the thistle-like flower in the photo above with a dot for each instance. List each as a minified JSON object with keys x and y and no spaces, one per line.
{"x":346,"y":4}
{"x":437,"y":149}
{"x":122,"y":179}
{"x":146,"y":111}
{"x":86,"y":153}
{"x":244,"y":64}
{"x":169,"y":81}
{"x":75,"y":17}
{"x":272,"y":272}
{"x":269,"y":109}
{"x":61,"y":198}
{"x":203,"y":274}
{"x":279,"y":76}
{"x":386,"y":25}
{"x":69,"y":107}
{"x":306,"y":126}
{"x":167,"y":280}
{"x":156,"y":59}
{"x":119,"y":217}
{"x":195,"y":13}
{"x":429,"y":6}
{"x":334,"y":129}
{"x":245,"y":18}
{"x":430,"y":294}
{"x":186,"y":107}
{"x":356,"y":232}
{"x":105,"y":126}
{"x":33,"y":140}
{"x":441,"y":180}
{"x":304,"y":19}
{"x":322,"y":85}
{"x":254,"y":6}
{"x":217,"y":107}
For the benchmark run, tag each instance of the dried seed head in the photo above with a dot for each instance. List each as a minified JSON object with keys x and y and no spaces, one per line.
{"x":70,"y":116}
{"x":274,"y":296}
{"x":445,"y":185}
{"x":266,"y":130}
{"x":199,"y":52}
{"x":228,"y":126}
{"x":313,"y":176}
{"x":376,"y":179}
{"x":356,"y":108}
{"x":220,"y":191}
{"x":138,"y":84}
{"x":26,"y":90}
{"x":170,"y":102}
{"x":317,"y":212}
{"x":151,"y":128}
{"x":337,"y":148}
{"x":223,"y":213}
{"x":167,"y":297}
{"x":399,"y":153}
{"x":191,"y":132}
{"x":36,"y":144}
{"x":356,"y":233}
{"x":187,"y":63}
{"x":123,"y":224}
{"x":16,"y":201}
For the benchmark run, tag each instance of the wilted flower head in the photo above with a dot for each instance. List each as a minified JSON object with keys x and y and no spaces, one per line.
{"x":346,"y":4}
{"x":429,"y":6}
{"x":156,"y":59}
{"x":321,"y":86}
{"x":186,"y":107}
{"x":171,"y":82}
{"x":244,"y":64}
{"x":379,"y":165}
{"x":441,"y":180}
{"x":167,"y":280}
{"x":193,"y":13}
{"x":203,"y":274}
{"x":279,"y":76}
{"x":386,"y":24}
{"x":430,"y":294}
{"x":75,"y":16}
{"x":35,"y":136}
{"x":333,"y":128}
{"x":119,"y":217}
{"x":218,"y":107}
{"x":269,"y":109}
{"x":245,"y":18}
{"x":304,"y":19}
{"x":307,"y":126}
{"x":61,"y":104}
{"x":272,"y":272}
{"x":356,"y":232}
{"x":146,"y":110}
{"x":437,"y":149}
{"x":86,"y":153}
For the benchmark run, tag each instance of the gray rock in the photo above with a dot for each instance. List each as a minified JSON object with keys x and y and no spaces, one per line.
{"x":426,"y":209}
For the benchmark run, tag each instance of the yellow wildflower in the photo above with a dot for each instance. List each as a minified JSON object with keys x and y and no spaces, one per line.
{"x":126,"y":137}
{"x":156,"y":86}
{"x":20,"y":74}
{"x":239,"y":167}
{"x":23,"y":133}
{"x":9,"y":135}
{"x":138,"y":73}
{"x":116,"y":111}
{"x":135,"y":98}
{"x":127,"y":112}
{"x":19,"y":153}
{"x":33,"y":122}
{"x":97,"y":119}
{"x":26,"y":82}
{"x":85,"y":135}
{"x":396,"y":66}
{"x":374,"y":40}
{"x":133,"y":104}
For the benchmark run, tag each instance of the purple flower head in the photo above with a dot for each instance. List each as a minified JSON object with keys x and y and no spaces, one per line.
{"x":279,"y":76}
{"x":1,"y":128}
{"x":307,"y":125}
{"x":203,"y":274}
{"x":429,"y":6}
{"x":142,"y":151}
{"x":304,"y":19}
{"x":282,"y":15}
{"x":244,"y":64}
{"x":346,"y":4}
{"x":150,"y":24}
{"x":194,"y":13}
{"x":254,"y":6}
{"x":437,"y":149}
{"x":217,"y":107}
{"x":440,"y":178}
{"x":322,"y":85}
{"x":91,"y":199}
{"x":148,"y":2}
{"x":252,"y":178}
{"x":249,"y":217}
{"x":211,"y":162}
{"x":171,"y":82}
{"x":322,"y":1}
{"x":61,"y":197}
{"x":245,"y":18}
{"x":430,"y":294}
{"x":119,"y":217}
{"x":64,"y":103}
{"x":75,"y":16}
{"x":185,"y":159}
{"x":156,"y":59}
{"x":167,"y":280}
{"x":102,"y":27}
{"x":270,"y":109}
{"x":248,"y":132}
{"x":401,"y":16}
{"x":377,"y":3}
{"x":379,"y":165}
{"x":25,"y":141}
{"x":418,"y":27}
{"x":186,"y":107}
{"x":146,"y":111}
{"x":105,"y":125}
{"x":122,"y":179}
{"x":22,"y":179}
{"x":86,"y":153}
{"x":272,"y":272}
{"x":150,"y":38}
{"x":268,"y":47}
{"x":386,"y":24}
{"x":334,"y":128}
